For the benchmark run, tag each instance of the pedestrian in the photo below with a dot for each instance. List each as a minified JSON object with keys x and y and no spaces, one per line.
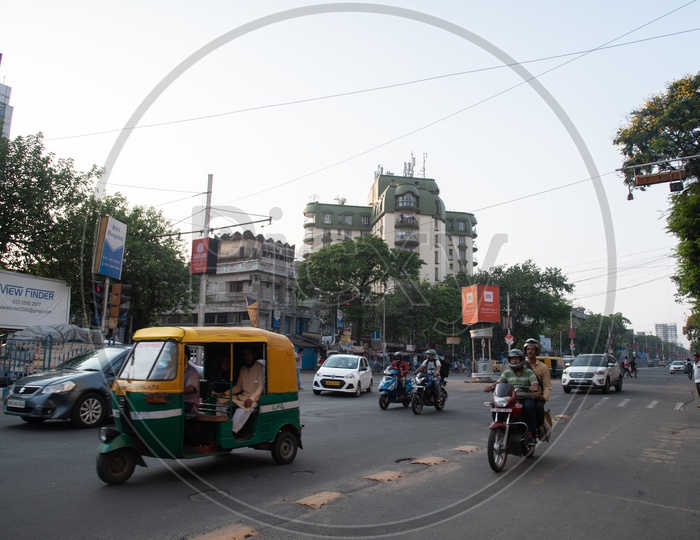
{"x":633,"y":367}
{"x":626,"y":368}
{"x":696,"y":373}
{"x":689,"y":368}
{"x":297,"y":356}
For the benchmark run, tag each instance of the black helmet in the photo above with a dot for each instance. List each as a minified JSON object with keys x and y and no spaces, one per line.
{"x":520,"y":364}
{"x":532,"y":343}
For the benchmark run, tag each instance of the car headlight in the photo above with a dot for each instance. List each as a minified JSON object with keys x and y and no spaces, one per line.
{"x":600,"y":372}
{"x":59,"y":388}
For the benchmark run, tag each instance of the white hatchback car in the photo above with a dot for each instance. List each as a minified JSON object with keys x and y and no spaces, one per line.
{"x":344,"y":373}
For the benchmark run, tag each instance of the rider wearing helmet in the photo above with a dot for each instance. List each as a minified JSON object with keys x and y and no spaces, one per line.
{"x":532,"y":349}
{"x":402,"y":367}
{"x":521,"y":378}
{"x":431,"y":365}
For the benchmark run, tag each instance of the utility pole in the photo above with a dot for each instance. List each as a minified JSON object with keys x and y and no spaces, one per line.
{"x":205,"y":234}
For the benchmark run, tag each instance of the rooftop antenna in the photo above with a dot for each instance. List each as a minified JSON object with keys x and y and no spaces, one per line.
{"x":408,"y":166}
{"x":422,"y":171}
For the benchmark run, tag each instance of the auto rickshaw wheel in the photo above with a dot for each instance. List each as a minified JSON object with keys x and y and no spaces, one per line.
{"x":116,"y":467}
{"x":284,"y":449}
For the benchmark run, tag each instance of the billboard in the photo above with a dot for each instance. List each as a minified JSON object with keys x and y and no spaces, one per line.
{"x":30,"y":301}
{"x":481,"y":304}
{"x":109,"y":248}
{"x":205,"y":255}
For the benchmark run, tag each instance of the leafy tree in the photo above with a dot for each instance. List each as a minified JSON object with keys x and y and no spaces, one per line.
{"x":52,"y":216}
{"x":667,"y":127}
{"x":351,"y":275}
{"x":536,"y":296}
{"x":36,"y":191}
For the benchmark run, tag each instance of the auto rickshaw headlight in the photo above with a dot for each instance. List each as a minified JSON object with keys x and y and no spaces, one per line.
{"x":107,"y":434}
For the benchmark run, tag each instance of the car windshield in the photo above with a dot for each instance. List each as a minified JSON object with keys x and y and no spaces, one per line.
{"x":151,"y":361}
{"x":99,"y":360}
{"x":342,"y":362}
{"x":589,"y":360}
{"x":678,"y":363}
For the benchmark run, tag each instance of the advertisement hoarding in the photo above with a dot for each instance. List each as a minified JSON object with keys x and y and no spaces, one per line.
{"x":481,"y":304}
{"x":205,"y":255}
{"x":109,"y":248}
{"x":30,"y":301}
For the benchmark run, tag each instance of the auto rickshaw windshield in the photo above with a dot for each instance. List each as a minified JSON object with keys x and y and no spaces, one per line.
{"x":151,"y":361}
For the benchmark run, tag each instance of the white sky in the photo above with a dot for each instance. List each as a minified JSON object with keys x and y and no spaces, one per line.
{"x":80,"y":69}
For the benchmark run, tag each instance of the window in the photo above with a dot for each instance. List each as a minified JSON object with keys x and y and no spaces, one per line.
{"x":235,"y":286}
{"x":462,"y":240}
{"x":437,"y":278}
{"x":348,"y":235}
{"x":461,"y":225}
{"x":347,"y":219}
{"x":437,"y":224}
{"x":363,"y":234}
{"x":437,"y":240}
{"x":449,"y":252}
{"x":327,"y":233}
{"x":407,"y":199}
{"x":364,"y":220}
{"x":327,"y":218}
{"x":437,"y":258}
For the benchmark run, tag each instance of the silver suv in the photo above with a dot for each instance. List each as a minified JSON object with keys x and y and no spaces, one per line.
{"x":592,"y":371}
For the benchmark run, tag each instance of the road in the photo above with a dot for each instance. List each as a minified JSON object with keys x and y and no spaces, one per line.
{"x":620,"y":465}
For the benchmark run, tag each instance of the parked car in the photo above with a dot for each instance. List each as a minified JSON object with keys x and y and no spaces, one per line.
{"x":592,"y":371}
{"x":662,"y":363}
{"x":344,"y":373}
{"x":76,"y":390}
{"x":677,"y":366}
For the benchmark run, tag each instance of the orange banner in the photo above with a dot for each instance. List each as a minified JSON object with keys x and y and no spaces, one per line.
{"x":481,"y":303}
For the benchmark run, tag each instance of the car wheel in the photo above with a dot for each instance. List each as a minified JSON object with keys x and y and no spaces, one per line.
{"x":358,"y":389}
{"x":383,"y":401}
{"x":284,"y":449}
{"x":317,"y":392}
{"x":567,"y":390}
{"x":618,"y":386}
{"x":116,"y":467}
{"x":32,"y":419}
{"x":606,"y":386}
{"x":89,"y":411}
{"x":369,"y":388}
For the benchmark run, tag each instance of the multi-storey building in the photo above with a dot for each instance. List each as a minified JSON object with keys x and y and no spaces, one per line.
{"x":667,"y":332}
{"x":251,"y":268}
{"x":407,"y":213}
{"x":5,"y":110}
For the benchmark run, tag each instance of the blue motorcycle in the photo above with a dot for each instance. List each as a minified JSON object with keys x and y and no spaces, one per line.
{"x":424,"y":393}
{"x":389,"y":389}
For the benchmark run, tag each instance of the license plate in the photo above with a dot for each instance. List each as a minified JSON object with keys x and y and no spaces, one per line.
{"x":332,"y":383}
{"x":500,"y":409}
{"x":16,"y":403}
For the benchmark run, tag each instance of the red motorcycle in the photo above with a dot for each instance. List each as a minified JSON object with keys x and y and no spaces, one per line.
{"x":508,"y":430}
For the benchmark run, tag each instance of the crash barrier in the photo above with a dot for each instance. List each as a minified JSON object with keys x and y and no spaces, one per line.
{"x":20,"y":357}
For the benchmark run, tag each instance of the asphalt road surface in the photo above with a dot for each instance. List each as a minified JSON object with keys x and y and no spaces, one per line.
{"x":619,"y":466}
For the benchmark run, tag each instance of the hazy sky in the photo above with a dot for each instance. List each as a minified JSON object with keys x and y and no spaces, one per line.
{"x":286,"y":102}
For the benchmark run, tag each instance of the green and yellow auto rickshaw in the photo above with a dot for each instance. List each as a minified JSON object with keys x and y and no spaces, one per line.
{"x":151,"y":412}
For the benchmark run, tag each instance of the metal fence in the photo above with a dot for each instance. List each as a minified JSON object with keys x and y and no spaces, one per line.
{"x":22,"y":357}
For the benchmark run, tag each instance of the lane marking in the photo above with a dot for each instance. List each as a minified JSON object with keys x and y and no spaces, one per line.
{"x":623,"y":402}
{"x":652,"y":404}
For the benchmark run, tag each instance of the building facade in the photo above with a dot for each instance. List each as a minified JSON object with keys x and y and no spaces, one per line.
{"x":5,"y":110}
{"x":667,"y":332}
{"x":251,"y":269}
{"x":407,"y":213}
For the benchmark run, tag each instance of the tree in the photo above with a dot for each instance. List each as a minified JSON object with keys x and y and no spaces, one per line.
{"x":58,"y":243}
{"x":36,"y":191}
{"x":353,"y":275}
{"x":664,"y":129}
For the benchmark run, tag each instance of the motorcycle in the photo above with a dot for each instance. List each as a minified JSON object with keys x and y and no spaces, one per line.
{"x":389,"y":389}
{"x":424,"y":393}
{"x":508,"y":430}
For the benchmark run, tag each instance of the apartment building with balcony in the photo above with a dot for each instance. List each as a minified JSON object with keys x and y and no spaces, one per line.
{"x":407,"y":213}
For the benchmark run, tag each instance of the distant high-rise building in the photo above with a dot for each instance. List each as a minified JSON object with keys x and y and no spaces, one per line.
{"x":667,"y":332}
{"x":5,"y":108}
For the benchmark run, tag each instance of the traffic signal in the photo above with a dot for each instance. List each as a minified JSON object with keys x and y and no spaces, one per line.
{"x":124,"y":304}
{"x":98,"y":299}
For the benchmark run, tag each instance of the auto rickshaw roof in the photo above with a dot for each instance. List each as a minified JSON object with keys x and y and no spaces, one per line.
{"x":210,"y":334}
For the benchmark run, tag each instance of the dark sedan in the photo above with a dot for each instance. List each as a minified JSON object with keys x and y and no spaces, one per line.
{"x":76,"y":390}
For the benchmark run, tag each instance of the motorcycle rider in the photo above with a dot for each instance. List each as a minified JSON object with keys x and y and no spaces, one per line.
{"x":431,"y":365}
{"x":402,"y":367}
{"x":532,"y":349}
{"x":518,"y":375}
